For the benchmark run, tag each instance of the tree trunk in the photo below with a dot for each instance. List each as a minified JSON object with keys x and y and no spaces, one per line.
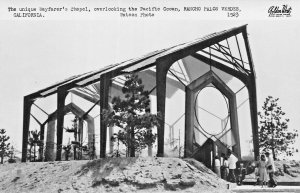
{"x":74,"y":152}
{"x":67,"y":156}
{"x":34,"y":149}
{"x":273,"y":153}
{"x":75,"y":137}
{"x":30,"y":153}
{"x":150,"y":150}
{"x":41,"y":152}
{"x":2,"y":157}
{"x":132,"y":149}
{"x":273,"y":148}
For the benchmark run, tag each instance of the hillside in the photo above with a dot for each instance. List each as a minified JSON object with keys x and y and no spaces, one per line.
{"x":110,"y":175}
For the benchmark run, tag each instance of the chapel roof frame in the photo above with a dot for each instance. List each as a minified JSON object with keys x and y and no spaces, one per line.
{"x":209,"y":49}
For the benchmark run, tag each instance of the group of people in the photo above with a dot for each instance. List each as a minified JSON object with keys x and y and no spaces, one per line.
{"x":225,"y":166}
{"x":265,"y":169}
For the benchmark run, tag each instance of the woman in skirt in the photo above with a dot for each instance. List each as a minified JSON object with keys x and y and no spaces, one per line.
{"x":262,"y":170}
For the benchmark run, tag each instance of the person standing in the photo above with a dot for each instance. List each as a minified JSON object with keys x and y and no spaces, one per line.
{"x":232,"y":166}
{"x":256,"y":170}
{"x":217,"y":166}
{"x":262,"y":170}
{"x":271,"y":170}
{"x":225,"y":168}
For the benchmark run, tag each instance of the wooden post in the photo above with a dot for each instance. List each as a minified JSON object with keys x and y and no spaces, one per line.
{"x":61,"y":97}
{"x":189,"y":122}
{"x":252,"y":96}
{"x":104,"y":94}
{"x":26,"y":122}
{"x":253,"y":112}
{"x":234,"y":123}
{"x":80,"y":137}
{"x":42,"y":133}
{"x":162,"y":68}
{"x":49,"y":154}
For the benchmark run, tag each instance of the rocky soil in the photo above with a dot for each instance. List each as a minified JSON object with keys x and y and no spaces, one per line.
{"x":287,"y":171}
{"x":111,"y":175}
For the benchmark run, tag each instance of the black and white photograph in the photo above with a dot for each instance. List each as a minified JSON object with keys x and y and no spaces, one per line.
{"x":149,"y":96}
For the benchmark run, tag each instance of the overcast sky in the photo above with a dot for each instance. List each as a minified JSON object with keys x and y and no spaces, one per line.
{"x":35,"y":54}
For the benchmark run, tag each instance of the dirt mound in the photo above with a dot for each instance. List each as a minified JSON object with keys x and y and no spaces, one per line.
{"x":111,"y":175}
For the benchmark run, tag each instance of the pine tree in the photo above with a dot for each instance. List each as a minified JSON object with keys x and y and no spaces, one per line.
{"x":11,"y":155}
{"x":132,"y":115}
{"x":74,"y":129}
{"x":67,"y":148}
{"x":4,"y":146}
{"x":273,"y":129}
{"x":36,"y":141}
{"x":31,"y":144}
{"x":33,"y":141}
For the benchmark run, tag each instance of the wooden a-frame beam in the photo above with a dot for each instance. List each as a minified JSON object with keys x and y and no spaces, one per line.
{"x":191,"y":91}
{"x":84,"y":96}
{"x":222,"y":67}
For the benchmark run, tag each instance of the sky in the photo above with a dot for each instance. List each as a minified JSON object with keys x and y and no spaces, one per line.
{"x":36,"y":54}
